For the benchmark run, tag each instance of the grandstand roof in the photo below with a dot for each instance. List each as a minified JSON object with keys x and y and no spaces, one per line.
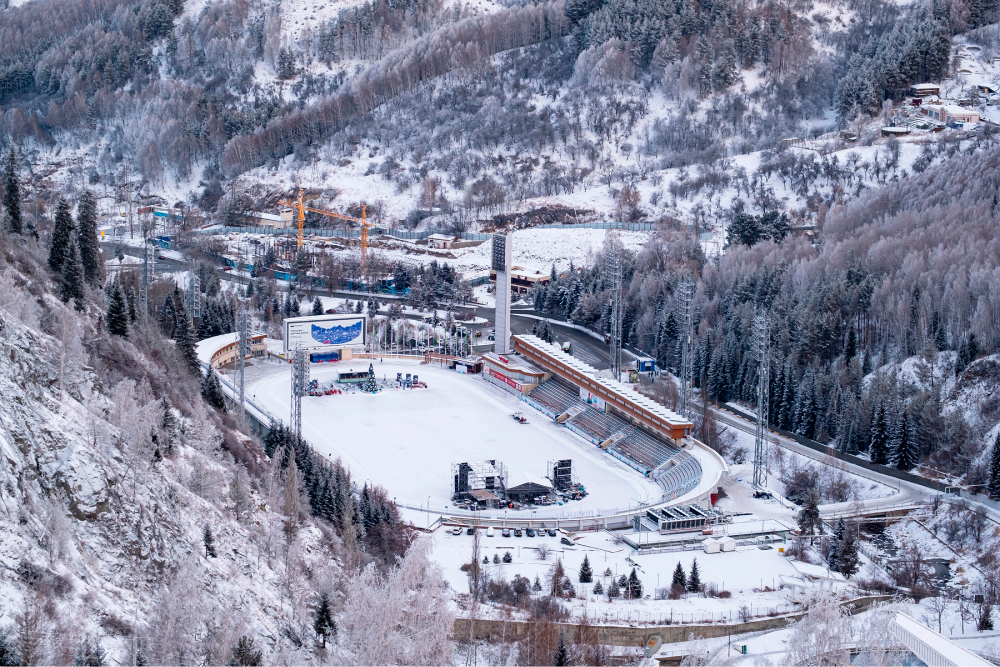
{"x":552,"y":356}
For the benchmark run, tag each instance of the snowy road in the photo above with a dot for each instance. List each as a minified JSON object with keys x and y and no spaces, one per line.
{"x":407,"y":441}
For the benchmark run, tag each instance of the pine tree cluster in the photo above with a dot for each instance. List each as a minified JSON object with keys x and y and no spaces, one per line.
{"x":368,"y":514}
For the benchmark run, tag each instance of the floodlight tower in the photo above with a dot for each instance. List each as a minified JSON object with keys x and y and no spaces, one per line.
{"x":502,"y":245}
{"x":762,"y":346}
{"x":148,"y":266}
{"x":300,"y":384}
{"x":686,"y":293}
{"x":243,"y":347}
{"x":614,"y":265}
{"x":193,"y":300}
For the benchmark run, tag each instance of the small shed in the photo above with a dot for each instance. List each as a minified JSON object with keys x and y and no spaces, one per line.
{"x":711,"y":545}
{"x":645,"y":364}
{"x":440,"y":241}
{"x":727,"y":543}
{"x":925,"y":89}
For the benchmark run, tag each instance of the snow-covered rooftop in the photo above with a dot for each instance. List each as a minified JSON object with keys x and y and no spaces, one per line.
{"x":614,"y":386}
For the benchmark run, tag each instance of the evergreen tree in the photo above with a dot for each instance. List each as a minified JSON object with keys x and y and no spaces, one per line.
{"x":62,"y":235}
{"x":209,"y":541}
{"x":993,"y":488}
{"x":88,"y":654}
{"x":370,"y":384}
{"x":90,"y":251}
{"x":246,"y":653}
{"x":598,"y":588}
{"x":12,"y":194}
{"x":694,"y":579}
{"x":847,"y":561}
{"x":211,"y":391}
{"x":879,"y":450}
{"x":614,"y":590}
{"x":561,"y":655}
{"x":680,"y":579}
{"x":507,"y":558}
{"x":317,"y":307}
{"x":634,"y":586}
{"x":73,"y":283}
{"x":809,"y":519}
{"x":184,"y":337}
{"x":323,"y":623}
{"x":586,"y":574}
{"x":905,"y":454}
{"x":537,"y":586}
{"x":168,"y":426}
{"x":555,"y":579}
{"x":117,"y":317}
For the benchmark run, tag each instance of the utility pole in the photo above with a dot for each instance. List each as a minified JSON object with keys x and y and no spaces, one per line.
{"x":686,"y":293}
{"x":614,"y":267}
{"x":762,"y":346}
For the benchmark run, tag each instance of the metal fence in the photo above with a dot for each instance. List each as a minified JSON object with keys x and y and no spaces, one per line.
{"x":417,"y":236}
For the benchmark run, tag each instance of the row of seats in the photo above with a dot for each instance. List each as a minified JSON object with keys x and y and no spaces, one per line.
{"x":556,"y":393}
{"x":682,"y":477}
{"x":645,"y":449}
{"x":599,"y":424}
{"x":560,"y":395}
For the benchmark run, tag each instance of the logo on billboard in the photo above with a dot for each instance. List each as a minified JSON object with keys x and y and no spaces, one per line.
{"x":336,"y":335}
{"x":504,"y":359}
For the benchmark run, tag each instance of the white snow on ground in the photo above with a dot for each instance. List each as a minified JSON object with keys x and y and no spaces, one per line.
{"x":538,"y":249}
{"x":746,"y":573}
{"x":407,"y":441}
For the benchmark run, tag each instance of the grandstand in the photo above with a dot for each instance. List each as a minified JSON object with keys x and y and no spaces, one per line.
{"x":556,"y":394}
{"x":676,"y":471}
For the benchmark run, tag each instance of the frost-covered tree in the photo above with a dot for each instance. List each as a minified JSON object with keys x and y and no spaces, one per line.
{"x":401,"y":617}
{"x":317,"y":307}
{"x":245,"y":653}
{"x":211,"y":390}
{"x":824,"y":631}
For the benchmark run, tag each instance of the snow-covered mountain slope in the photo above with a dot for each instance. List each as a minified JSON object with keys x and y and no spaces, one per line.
{"x":107,"y":496}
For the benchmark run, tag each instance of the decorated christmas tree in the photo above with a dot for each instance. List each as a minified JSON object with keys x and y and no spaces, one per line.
{"x":370,"y":385}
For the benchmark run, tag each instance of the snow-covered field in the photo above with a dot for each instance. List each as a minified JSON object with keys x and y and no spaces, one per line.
{"x":408,"y":440}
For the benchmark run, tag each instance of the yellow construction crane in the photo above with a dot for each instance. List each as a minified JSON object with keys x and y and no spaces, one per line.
{"x":362,"y":221}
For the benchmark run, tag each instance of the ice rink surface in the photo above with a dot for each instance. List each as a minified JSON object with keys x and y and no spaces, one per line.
{"x":407,"y":440}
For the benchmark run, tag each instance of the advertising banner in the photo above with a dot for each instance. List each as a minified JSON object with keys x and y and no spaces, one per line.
{"x":321,"y":332}
{"x":591,"y":400}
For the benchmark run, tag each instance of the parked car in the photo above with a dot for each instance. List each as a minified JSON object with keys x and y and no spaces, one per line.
{"x":506,"y":532}
{"x":552,"y":532}
{"x":530,"y":532}
{"x":457,"y":530}
{"x":489,"y":532}
{"x":517,"y":532}
{"x":470,"y":530}
{"x":566,"y":542}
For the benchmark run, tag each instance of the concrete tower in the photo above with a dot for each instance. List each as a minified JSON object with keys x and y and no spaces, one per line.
{"x":501,"y":264}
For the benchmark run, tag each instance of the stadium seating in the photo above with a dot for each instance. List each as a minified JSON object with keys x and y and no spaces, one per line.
{"x":682,"y":477}
{"x":639,"y":446}
{"x":557,"y":394}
